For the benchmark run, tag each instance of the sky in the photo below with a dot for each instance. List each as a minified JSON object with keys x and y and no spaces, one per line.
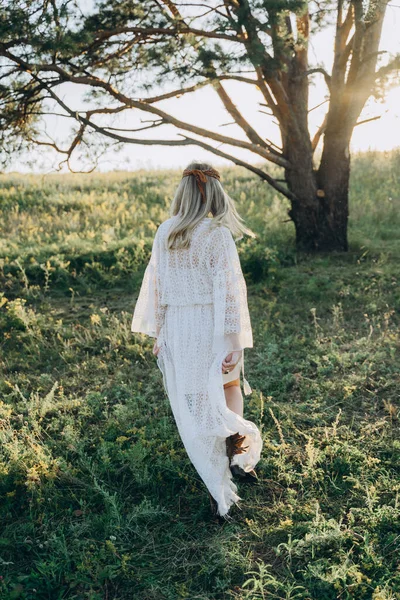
{"x":204,"y":108}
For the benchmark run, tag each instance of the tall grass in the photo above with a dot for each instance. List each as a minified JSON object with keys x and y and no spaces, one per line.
{"x":98,"y":498}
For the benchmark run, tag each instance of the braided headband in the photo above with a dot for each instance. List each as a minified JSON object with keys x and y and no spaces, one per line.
{"x":201,"y":177}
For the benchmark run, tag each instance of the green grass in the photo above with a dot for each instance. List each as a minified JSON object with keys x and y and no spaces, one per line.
{"x":98,"y":498}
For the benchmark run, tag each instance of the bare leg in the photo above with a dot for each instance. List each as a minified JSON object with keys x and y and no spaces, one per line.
{"x":234,"y":399}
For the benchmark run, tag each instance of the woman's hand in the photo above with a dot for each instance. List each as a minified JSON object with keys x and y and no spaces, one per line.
{"x":230,"y":361}
{"x":156,"y":349}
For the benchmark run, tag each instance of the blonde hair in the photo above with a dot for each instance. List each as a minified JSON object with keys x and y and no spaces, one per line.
{"x":190,"y":207}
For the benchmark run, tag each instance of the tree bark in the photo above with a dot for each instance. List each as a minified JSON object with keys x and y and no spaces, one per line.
{"x":320,"y":211}
{"x":333,"y":181}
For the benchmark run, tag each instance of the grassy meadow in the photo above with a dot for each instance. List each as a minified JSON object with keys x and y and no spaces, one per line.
{"x":98,"y":499}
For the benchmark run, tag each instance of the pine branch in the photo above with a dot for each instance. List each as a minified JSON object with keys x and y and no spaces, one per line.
{"x":144,"y":32}
{"x":327,"y":77}
{"x":95,"y":82}
{"x":320,"y":131}
{"x":237,"y":116}
{"x":393,"y":65}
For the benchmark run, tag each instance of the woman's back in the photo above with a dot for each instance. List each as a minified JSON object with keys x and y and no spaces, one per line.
{"x":186,"y":274}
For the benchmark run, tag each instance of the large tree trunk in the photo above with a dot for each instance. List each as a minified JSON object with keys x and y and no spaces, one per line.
{"x":320,"y":214}
{"x":320,"y":211}
{"x":320,"y":208}
{"x":333,"y":181}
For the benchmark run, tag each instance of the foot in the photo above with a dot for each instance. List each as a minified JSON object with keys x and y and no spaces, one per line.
{"x":214,"y":506}
{"x":234,"y":445}
{"x":245,"y":476}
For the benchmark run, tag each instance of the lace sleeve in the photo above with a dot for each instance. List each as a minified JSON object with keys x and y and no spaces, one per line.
{"x":148,"y":316}
{"x":232,"y":326}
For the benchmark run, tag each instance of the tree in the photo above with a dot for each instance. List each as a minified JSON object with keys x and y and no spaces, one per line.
{"x":45,"y":44}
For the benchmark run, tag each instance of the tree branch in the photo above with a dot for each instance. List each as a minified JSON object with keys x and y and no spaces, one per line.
{"x":327,"y":77}
{"x":239,"y":78}
{"x":176,"y":93}
{"x":393,"y":65}
{"x":318,"y":105}
{"x":237,"y":116}
{"x":173,"y":9}
{"x":360,"y":28}
{"x":368,"y":120}
{"x":142,"y":105}
{"x":346,"y":53}
{"x":162,"y":31}
{"x":265,"y":65}
{"x":361,"y":77}
{"x":346,"y":26}
{"x":104,"y":111}
{"x":267,"y":94}
{"x":77,"y":140}
{"x":185,"y":142}
{"x":153,"y":125}
{"x":321,"y":129}
{"x":148,"y":142}
{"x":303,"y":32}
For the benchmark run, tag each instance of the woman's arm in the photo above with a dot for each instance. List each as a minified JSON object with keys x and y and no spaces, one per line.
{"x":232,"y":326}
{"x":149,"y":314}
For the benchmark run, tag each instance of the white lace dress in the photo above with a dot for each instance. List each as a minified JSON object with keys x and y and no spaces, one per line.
{"x":194,"y":301}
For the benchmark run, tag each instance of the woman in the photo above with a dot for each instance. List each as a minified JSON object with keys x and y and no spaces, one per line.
{"x":193,"y":300}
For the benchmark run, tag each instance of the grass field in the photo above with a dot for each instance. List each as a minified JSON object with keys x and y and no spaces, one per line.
{"x":98,"y":498}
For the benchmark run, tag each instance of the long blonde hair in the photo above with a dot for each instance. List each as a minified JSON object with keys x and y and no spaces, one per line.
{"x":190,"y":207}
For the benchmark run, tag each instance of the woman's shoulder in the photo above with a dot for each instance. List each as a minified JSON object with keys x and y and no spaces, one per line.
{"x":165,"y":224}
{"x":219,"y":232}
{"x":207,"y":229}
{"x":163,"y":227}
